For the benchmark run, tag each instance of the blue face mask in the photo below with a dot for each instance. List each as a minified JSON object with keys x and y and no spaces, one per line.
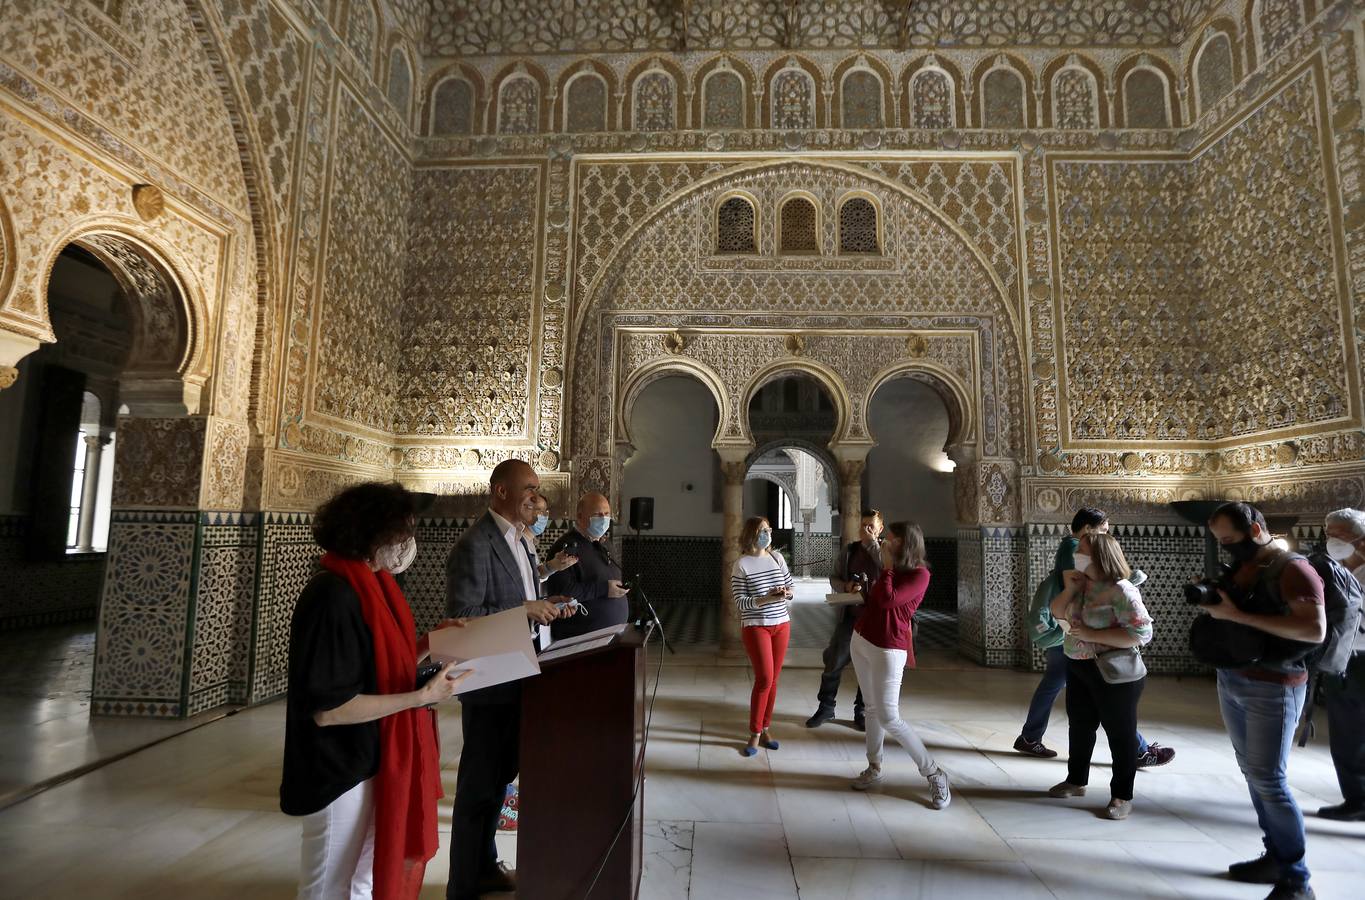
{"x":598,"y":525}
{"x":764,"y":539}
{"x":539,"y":525}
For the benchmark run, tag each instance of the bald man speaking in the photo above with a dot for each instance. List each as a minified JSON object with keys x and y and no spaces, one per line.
{"x":596,"y":581}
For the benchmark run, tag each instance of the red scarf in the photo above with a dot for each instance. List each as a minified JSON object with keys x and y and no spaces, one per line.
{"x":408,"y":783}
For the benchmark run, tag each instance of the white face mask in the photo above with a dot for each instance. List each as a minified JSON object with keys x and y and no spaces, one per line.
{"x":1082,"y":562}
{"x":396,"y":557}
{"x":1339,"y":550}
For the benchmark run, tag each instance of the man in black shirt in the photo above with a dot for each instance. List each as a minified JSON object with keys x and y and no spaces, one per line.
{"x":860,"y":566}
{"x":595,"y":582}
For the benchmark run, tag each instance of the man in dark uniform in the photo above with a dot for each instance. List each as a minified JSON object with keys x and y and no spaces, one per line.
{"x":595,"y":582}
{"x":860,"y":566}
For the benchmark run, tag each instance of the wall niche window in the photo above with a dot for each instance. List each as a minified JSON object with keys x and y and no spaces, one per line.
{"x":858,"y":231}
{"x":736,"y":227}
{"x":799,"y":227}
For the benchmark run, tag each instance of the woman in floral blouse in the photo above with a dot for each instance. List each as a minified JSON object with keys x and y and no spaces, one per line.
{"x":1100,"y":610}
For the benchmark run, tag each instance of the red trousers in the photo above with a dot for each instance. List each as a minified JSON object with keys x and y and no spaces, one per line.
{"x":767,"y":647}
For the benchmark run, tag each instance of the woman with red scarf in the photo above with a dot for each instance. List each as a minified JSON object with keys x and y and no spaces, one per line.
{"x":361,"y":759}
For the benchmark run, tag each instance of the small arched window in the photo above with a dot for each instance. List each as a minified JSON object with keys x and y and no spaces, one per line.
{"x":400,"y":83}
{"x":860,"y":100}
{"x":736,"y":227}
{"x":1145,"y":103}
{"x":585,"y":103}
{"x":858,"y":232}
{"x":452,"y":107}
{"x":723,"y":100}
{"x":1213,"y":72}
{"x":798,"y":223}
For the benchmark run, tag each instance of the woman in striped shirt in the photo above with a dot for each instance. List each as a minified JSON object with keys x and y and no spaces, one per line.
{"x":762,"y":587}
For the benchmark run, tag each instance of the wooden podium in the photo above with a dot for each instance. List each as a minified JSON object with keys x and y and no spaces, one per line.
{"x":582,"y":726}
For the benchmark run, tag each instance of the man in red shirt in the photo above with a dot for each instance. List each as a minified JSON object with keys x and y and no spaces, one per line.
{"x":1261,"y":704}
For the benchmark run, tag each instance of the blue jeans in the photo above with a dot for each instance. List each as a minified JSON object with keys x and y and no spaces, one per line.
{"x":1260,"y":717}
{"x":1040,"y":707}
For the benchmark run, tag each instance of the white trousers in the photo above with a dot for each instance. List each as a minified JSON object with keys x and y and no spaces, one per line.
{"x":879,"y":676}
{"x":338,"y":848}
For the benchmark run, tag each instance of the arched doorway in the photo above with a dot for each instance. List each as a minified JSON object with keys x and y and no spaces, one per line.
{"x":671,"y":420}
{"x":57,"y":457}
{"x":911,"y":477}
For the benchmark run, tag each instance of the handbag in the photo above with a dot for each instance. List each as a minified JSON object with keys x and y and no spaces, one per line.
{"x":1121,"y":666}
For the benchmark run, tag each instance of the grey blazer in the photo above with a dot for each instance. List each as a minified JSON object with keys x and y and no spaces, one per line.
{"x":482,"y":578}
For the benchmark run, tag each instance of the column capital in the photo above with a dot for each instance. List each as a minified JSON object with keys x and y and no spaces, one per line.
{"x":849,"y":451}
{"x":13,"y":347}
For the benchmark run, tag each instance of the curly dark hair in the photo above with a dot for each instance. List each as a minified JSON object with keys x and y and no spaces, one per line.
{"x":364,"y":517}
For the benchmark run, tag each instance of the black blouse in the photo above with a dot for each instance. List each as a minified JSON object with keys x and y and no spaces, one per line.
{"x":331,"y":659}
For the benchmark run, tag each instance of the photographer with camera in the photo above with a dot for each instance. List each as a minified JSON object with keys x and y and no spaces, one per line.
{"x":1264,"y":615}
{"x":1345,"y":694}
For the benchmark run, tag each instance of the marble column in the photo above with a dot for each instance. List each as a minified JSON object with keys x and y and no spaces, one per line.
{"x":90,"y":491}
{"x":733,"y":467}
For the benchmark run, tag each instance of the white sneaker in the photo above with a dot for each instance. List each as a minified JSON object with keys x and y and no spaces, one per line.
{"x":939,"y":793}
{"x":868,"y":778}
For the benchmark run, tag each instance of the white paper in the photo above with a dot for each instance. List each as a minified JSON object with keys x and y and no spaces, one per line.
{"x":562,"y":650}
{"x":610,"y":631}
{"x":496,"y":648}
{"x":844,"y":599}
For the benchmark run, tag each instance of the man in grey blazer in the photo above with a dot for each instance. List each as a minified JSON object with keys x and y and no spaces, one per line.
{"x":490,"y":570}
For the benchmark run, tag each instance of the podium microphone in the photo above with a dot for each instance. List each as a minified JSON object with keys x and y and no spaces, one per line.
{"x":637,"y":586}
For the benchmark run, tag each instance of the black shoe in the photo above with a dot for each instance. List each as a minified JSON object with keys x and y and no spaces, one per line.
{"x":1033,"y":748}
{"x":1286,"y":891}
{"x":500,"y":880}
{"x":859,"y":721}
{"x":1262,"y":870}
{"x":1156,"y":755}
{"x":1343,"y":812}
{"x":821,"y":716}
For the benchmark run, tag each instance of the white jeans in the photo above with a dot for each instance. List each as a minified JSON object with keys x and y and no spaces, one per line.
{"x":879,"y":676}
{"x":338,"y":848}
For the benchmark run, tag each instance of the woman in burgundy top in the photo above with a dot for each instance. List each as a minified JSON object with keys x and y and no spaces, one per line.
{"x":881,"y":649}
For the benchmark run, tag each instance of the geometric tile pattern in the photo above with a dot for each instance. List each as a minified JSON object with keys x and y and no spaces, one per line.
{"x":40,"y":592}
{"x":225,"y":591}
{"x":144,"y":615}
{"x":288,"y":559}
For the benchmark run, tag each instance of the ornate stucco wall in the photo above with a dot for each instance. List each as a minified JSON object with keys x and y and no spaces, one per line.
{"x":1125,"y":242}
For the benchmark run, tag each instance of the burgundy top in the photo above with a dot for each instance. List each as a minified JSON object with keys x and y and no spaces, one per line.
{"x":885,"y":620}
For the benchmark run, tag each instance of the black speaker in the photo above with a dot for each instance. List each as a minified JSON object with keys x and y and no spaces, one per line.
{"x":641,"y":513}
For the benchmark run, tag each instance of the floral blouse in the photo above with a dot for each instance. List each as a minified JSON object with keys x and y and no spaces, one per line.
{"x":1106,"y":604}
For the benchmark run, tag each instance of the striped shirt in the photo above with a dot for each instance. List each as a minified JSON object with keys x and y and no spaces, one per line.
{"x":751,"y":578}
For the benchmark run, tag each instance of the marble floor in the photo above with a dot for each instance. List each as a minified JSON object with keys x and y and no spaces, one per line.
{"x":195,"y":816}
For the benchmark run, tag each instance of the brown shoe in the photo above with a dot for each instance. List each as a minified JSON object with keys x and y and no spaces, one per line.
{"x":1033,"y":748}
{"x":500,"y":880}
{"x":1066,"y":789}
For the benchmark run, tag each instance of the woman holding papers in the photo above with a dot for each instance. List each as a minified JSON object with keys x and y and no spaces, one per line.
{"x":762,"y":587}
{"x":361,"y":762}
{"x":881,"y":649}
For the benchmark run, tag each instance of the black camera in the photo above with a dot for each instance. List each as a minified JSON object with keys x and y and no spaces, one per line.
{"x":1205,"y":591}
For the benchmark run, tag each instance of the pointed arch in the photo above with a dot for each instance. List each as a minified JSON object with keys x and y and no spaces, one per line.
{"x":1004,"y":89}
{"x":869,"y":77}
{"x":1128,"y":91}
{"x":453,"y":100}
{"x":584,"y":81}
{"x":716,"y":75}
{"x":1064,"y":76}
{"x":932,"y":94}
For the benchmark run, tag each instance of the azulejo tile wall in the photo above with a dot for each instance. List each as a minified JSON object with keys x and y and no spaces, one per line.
{"x":224,"y":608}
{"x":144,"y":623}
{"x":44,"y":593}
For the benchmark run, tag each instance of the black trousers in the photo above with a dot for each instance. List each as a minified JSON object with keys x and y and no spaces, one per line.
{"x":837,"y":658}
{"x":1091,"y":702}
{"x":1346,"y":724}
{"x":488,"y":763}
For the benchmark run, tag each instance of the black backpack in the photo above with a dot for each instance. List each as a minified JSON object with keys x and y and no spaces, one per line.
{"x":1343,"y":597}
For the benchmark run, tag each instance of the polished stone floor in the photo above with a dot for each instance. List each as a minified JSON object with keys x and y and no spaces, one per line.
{"x":195,"y":816}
